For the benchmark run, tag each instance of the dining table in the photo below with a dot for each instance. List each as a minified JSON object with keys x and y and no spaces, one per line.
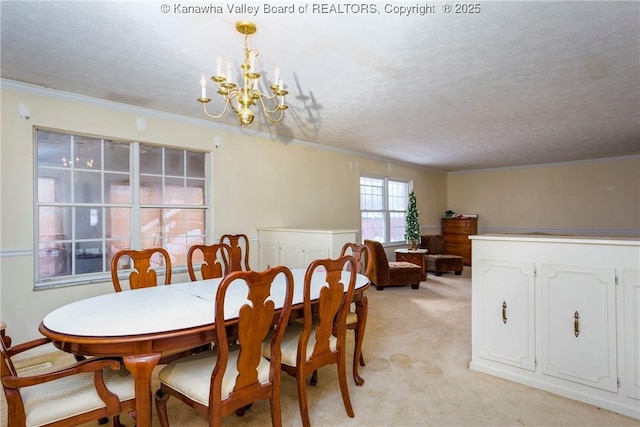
{"x":139,"y":325}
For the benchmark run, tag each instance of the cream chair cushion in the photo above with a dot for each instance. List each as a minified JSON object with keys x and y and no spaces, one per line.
{"x":191,"y":375}
{"x":352,"y":317}
{"x":289,"y":346}
{"x":62,"y":398}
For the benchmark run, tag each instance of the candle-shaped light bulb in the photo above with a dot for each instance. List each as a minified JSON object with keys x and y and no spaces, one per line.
{"x":203,"y":86}
{"x":280,"y":84}
{"x":218,"y":65}
{"x":276,"y":75}
{"x":229,"y":72}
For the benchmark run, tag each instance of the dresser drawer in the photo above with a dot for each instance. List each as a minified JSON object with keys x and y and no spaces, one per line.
{"x":469,"y":226}
{"x":456,"y":238}
{"x":464,"y":223}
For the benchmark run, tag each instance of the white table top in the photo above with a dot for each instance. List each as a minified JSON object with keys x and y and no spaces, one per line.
{"x":164,"y":308}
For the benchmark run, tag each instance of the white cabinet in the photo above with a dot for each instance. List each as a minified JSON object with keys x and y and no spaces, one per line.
{"x":561,"y":314}
{"x":296,"y":248}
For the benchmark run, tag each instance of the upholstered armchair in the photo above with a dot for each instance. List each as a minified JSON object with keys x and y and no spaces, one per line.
{"x":438,"y":261}
{"x":394,"y":273}
{"x":70,"y":395}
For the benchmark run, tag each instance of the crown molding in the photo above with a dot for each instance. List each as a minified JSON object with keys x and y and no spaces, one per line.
{"x":546,"y":165}
{"x":132,"y":109}
{"x":103,"y":103}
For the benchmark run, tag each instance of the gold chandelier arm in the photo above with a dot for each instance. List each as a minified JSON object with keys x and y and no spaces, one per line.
{"x":278,"y":120}
{"x":279,"y":107}
{"x":267,"y":96}
{"x":268,"y":113}
{"x":226,"y":105}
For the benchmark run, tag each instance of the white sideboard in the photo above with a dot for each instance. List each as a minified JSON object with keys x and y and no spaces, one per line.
{"x":296,"y":248}
{"x":561,"y":314}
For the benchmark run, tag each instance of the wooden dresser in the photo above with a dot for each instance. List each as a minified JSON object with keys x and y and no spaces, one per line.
{"x":456,"y":234}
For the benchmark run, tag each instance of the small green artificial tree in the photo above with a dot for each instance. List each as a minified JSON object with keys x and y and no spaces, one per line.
{"x":412,"y":231}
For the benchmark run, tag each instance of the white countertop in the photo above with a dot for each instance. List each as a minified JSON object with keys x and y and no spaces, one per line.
{"x":548,"y":238}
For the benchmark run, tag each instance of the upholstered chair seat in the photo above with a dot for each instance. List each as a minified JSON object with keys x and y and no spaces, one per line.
{"x":70,"y":396}
{"x":191,"y":375}
{"x":290,"y":341}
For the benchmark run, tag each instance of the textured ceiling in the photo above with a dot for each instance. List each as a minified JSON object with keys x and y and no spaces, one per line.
{"x":518,"y":83}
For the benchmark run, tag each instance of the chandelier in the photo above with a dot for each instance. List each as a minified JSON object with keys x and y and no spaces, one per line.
{"x":247,"y":94}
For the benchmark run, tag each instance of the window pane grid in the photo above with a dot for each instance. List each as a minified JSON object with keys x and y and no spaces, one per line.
{"x":383,"y":206}
{"x":85,"y":205}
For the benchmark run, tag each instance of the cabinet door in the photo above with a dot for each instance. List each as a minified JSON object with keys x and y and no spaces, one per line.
{"x":267,"y":254}
{"x":311,"y":253}
{"x":631,"y":281}
{"x":578,"y":309}
{"x":290,"y":255}
{"x":506,"y":312}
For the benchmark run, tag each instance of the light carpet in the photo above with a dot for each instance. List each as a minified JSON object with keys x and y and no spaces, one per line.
{"x":417,"y":348}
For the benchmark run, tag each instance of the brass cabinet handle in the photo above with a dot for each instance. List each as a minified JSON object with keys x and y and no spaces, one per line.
{"x":504,"y":312}
{"x":576,"y":323}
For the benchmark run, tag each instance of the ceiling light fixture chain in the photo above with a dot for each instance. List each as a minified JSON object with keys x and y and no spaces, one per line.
{"x":242,"y":98}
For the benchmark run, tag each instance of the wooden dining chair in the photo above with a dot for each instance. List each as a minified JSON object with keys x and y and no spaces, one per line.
{"x":239,"y":244}
{"x":89,"y":390}
{"x":228,"y":378}
{"x":215,"y":261}
{"x":357,"y":319}
{"x":320,"y":340}
{"x":143,"y":274}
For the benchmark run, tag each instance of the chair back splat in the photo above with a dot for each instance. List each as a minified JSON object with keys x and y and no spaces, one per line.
{"x":215,"y":261}
{"x":144,"y":265}
{"x":239,"y":244}
{"x":238,"y":374}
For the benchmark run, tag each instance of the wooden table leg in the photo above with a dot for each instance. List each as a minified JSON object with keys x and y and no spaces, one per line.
{"x":362,"y":308}
{"x":141,"y":367}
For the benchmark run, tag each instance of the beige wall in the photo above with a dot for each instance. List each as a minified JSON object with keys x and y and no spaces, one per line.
{"x":260,"y":182}
{"x":257,"y":182}
{"x":595,"y":198}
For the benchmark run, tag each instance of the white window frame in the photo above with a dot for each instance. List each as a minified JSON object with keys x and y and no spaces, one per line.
{"x":386,"y":210}
{"x":134,"y":205}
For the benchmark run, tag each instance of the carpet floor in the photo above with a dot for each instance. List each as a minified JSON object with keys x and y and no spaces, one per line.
{"x":417,"y":350}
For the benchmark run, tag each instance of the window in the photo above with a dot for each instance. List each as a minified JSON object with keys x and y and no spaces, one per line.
{"x":96,"y":196}
{"x":383,"y":207}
